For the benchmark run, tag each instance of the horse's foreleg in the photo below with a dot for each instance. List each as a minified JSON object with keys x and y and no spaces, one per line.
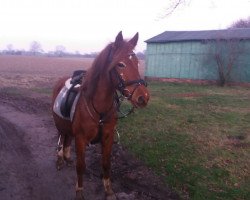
{"x":80,"y":164}
{"x":107,"y":142}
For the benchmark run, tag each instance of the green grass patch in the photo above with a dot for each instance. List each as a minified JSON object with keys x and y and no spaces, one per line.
{"x":47,"y":91}
{"x":13,"y":91}
{"x":196,"y":137}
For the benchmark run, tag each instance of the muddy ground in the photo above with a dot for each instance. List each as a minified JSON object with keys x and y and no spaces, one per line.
{"x":28,"y":153}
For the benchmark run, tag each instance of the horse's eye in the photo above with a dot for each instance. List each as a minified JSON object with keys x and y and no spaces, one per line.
{"x":121,"y":65}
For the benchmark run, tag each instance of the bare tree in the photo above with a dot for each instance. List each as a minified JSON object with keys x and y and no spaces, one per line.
{"x":241,"y":23}
{"x":226,"y":54}
{"x":173,"y":5}
{"x":35,"y":47}
{"x":9,"y":49}
{"x":60,"y":50}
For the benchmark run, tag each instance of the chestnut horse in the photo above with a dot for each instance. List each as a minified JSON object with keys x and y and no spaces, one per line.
{"x":95,"y":117}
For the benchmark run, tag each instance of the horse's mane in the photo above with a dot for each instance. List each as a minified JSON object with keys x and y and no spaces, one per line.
{"x":98,"y":68}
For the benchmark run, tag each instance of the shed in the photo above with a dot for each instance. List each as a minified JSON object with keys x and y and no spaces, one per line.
{"x":190,"y":55}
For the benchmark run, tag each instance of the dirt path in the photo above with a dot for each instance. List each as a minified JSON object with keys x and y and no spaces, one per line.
{"x":27,"y":159}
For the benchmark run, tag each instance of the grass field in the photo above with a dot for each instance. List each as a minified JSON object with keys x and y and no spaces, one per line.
{"x":196,"y":137}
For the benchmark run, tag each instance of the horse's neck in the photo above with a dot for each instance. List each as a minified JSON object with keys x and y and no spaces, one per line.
{"x":104,"y":96}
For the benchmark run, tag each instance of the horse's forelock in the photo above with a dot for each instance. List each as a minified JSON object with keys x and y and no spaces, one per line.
{"x":120,"y":53}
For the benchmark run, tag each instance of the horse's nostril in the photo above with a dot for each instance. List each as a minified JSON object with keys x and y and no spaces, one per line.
{"x":141,"y":100}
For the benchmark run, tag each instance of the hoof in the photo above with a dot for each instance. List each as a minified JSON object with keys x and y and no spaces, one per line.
{"x":111,"y":197}
{"x":59,"y":163}
{"x":79,"y":195}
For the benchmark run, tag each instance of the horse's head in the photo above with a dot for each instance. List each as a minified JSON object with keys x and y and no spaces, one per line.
{"x":124,"y":71}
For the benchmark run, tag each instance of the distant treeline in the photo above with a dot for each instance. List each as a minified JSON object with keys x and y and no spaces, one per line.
{"x":140,"y":55}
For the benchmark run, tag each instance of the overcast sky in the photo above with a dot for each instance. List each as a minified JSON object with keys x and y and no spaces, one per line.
{"x":88,"y":25}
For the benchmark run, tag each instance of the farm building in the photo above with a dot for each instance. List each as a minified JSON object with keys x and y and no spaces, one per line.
{"x":199,"y":55}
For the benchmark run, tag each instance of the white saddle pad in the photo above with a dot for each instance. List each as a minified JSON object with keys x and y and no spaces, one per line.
{"x":59,"y":98}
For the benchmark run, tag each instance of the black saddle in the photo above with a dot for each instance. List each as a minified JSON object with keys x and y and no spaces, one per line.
{"x":70,"y":96}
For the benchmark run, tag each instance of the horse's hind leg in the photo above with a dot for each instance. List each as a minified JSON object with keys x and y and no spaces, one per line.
{"x":60,"y":161}
{"x":67,"y":150}
{"x":63,"y":151}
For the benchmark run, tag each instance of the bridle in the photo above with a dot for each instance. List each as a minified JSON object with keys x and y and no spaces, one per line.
{"x":123,"y":84}
{"x":125,"y":93}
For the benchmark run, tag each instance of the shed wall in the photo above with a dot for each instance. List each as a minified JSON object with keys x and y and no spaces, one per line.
{"x":193,"y":60}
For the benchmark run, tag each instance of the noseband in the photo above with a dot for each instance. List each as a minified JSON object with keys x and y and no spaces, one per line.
{"x":122,"y":84}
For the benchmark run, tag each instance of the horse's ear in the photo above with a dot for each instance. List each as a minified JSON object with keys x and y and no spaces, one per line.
{"x":118,"y":40}
{"x":134,"y":40}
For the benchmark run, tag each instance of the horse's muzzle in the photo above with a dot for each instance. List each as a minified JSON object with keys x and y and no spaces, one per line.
{"x":142,"y":101}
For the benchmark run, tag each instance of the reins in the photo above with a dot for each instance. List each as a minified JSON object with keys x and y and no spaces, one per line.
{"x":102,"y":116}
{"x":123,"y":84}
{"x":119,"y":100}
